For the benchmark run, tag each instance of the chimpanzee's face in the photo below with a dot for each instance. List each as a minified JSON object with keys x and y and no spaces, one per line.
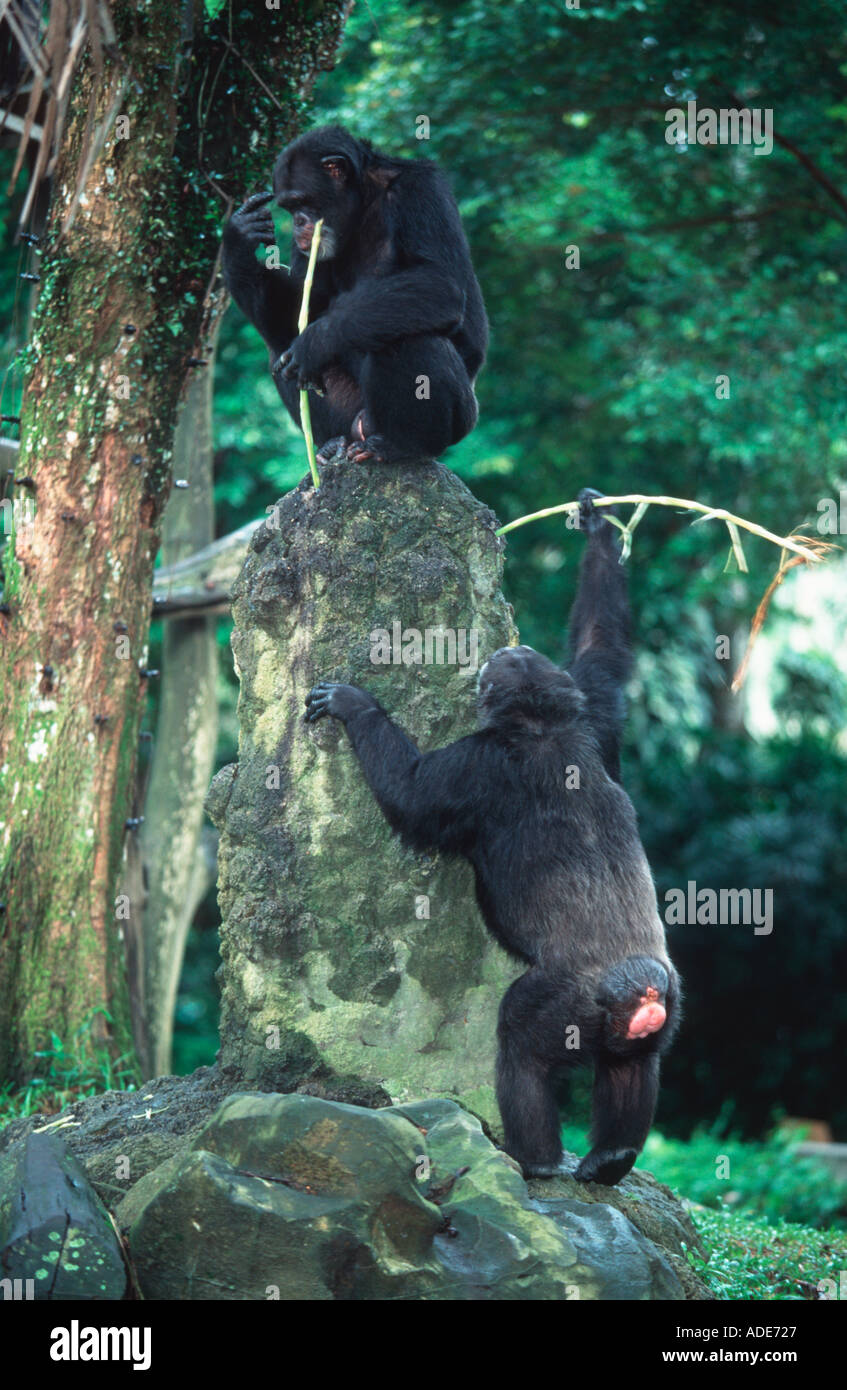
{"x":312,"y":182}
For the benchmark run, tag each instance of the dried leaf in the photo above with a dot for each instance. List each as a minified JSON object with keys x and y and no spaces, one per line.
{"x":820,"y":548}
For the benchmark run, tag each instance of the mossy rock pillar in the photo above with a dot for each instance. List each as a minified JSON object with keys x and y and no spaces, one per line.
{"x":351,"y":967}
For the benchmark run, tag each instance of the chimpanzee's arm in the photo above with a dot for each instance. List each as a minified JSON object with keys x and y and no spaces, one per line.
{"x":433,"y":799}
{"x":382,"y":309}
{"x":378,"y":311}
{"x":600,"y":657}
{"x":269,"y":298}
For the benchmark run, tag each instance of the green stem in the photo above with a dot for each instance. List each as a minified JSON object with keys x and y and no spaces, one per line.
{"x":302,"y":322}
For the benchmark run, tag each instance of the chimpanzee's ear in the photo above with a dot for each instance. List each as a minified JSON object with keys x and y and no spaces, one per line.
{"x":382,"y":176}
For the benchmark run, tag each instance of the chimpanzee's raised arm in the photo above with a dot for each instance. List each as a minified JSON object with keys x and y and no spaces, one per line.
{"x":431,"y":799}
{"x":600,"y":656}
{"x":268,"y":297}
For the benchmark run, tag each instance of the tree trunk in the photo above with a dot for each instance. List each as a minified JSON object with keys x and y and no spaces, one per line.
{"x":75,"y":640}
{"x":124,"y":292}
{"x":186,"y":735}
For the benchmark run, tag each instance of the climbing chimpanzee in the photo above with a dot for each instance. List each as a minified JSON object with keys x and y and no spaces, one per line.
{"x":534,"y":802}
{"x":397,"y":330}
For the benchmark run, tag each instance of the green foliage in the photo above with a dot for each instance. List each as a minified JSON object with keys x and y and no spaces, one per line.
{"x":260,"y":454}
{"x":764,"y":1020}
{"x":14,"y":296}
{"x":762,"y":1179}
{"x":198,"y":1002}
{"x":73,"y":1071}
{"x":812,"y":691}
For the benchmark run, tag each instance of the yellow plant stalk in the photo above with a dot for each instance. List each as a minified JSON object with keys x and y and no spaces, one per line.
{"x":302,"y":322}
{"x":807,"y":549}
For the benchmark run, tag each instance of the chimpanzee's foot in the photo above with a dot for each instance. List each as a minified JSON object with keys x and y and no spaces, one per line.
{"x":607,"y":1166}
{"x":333,"y":449}
{"x":591,"y":518}
{"x":373,"y":447}
{"x":542,"y":1170}
{"x":367,"y":444}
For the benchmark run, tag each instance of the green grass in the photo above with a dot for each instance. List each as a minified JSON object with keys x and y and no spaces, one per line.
{"x":762,"y":1179}
{"x":753,"y":1258}
{"x":67,"y":1074}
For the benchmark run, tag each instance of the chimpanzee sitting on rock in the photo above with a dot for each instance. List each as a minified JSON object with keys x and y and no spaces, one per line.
{"x":397,"y":329}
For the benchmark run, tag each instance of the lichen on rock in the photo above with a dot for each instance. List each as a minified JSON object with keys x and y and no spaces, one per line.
{"x":347,"y":961}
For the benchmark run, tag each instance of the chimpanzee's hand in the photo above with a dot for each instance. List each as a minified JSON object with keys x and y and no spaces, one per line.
{"x":338,"y":701}
{"x":305,"y":360}
{"x":592,"y":520}
{"x":252,"y":224}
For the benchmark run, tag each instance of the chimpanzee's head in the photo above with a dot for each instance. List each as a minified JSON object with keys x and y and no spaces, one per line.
{"x":518,"y":682}
{"x":320,"y":175}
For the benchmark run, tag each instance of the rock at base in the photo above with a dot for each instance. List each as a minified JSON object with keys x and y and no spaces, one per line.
{"x":294,"y":1197}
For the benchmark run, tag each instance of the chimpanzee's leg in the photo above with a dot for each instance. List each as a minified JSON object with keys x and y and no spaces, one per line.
{"x":417,"y":401}
{"x":600,"y":658}
{"x":333,"y":413}
{"x":531,"y":1031}
{"x":623,"y":1103}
